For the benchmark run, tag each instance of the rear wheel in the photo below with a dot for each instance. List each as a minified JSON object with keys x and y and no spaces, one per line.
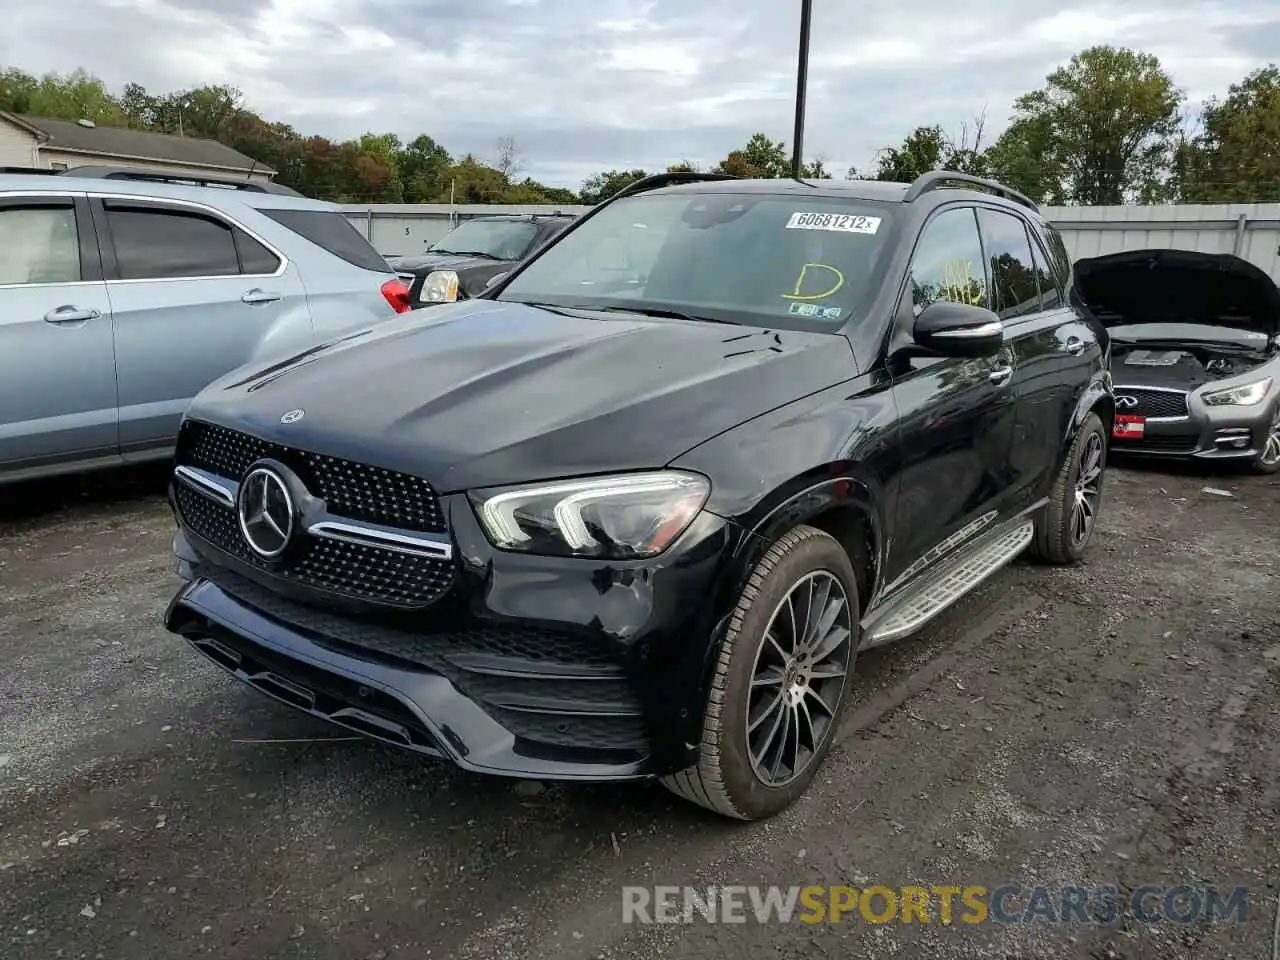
{"x":1066,"y":528}
{"x":1268,"y":460}
{"x":780,"y":682}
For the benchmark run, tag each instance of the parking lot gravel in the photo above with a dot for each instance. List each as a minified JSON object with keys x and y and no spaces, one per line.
{"x":1112,"y":723}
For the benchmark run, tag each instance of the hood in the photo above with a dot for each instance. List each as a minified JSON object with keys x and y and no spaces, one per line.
{"x":424,"y":263}
{"x":485,"y":393}
{"x":1179,"y":286}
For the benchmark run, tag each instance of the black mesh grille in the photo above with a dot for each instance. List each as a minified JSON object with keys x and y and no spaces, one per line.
{"x":1151,"y":403}
{"x":333,"y":566}
{"x":521,"y":676}
{"x":353,"y":490}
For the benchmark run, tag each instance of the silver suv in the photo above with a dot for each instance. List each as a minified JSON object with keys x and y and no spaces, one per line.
{"x":122,"y":297}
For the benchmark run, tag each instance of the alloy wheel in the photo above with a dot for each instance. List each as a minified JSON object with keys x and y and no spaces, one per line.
{"x":798,"y":678}
{"x":1084,"y":508}
{"x":1271,"y":452}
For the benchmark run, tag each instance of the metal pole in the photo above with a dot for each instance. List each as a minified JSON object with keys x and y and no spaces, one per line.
{"x":802,"y":83}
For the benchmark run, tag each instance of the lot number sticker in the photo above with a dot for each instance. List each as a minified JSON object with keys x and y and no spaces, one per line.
{"x":840,"y":222}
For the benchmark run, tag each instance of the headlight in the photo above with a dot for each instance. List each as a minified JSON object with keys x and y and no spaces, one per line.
{"x":622,"y":518}
{"x":441,"y":286}
{"x":1245,"y":396}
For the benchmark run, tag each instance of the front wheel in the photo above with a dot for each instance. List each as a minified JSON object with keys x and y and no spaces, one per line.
{"x":1268,"y":461}
{"x":780,"y":681}
{"x":1067,"y":526}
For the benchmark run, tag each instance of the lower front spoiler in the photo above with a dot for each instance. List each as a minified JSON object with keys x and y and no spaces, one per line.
{"x":418,"y":710}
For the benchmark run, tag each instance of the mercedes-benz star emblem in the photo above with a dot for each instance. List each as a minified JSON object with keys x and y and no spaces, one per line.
{"x":266,"y":512}
{"x":293,"y":416}
{"x":1127,"y":402}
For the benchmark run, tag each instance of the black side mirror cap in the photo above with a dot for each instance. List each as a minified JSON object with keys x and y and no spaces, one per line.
{"x":954,"y":329}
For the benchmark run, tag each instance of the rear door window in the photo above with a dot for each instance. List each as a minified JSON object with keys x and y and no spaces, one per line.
{"x":333,"y":232}
{"x":39,"y":243}
{"x":164,"y":243}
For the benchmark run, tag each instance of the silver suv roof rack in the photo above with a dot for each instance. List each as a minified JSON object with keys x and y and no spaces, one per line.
{"x":181,"y":179}
{"x":941,"y":179}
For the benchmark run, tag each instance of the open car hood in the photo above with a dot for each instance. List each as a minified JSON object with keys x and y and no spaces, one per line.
{"x":1179,"y":286}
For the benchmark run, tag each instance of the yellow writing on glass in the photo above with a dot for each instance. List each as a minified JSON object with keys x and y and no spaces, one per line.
{"x":959,"y":283}
{"x":837,"y":283}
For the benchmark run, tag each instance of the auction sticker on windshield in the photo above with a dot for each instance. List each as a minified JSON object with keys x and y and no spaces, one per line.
{"x":841,"y":222}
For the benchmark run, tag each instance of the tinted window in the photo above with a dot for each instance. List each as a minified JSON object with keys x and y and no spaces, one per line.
{"x":39,"y":245}
{"x":948,"y":264}
{"x":153,"y":243}
{"x":1058,"y":253}
{"x":1050,"y":286}
{"x":333,"y":232}
{"x":501,"y":239}
{"x":1004,"y":238}
{"x":799,"y":261}
{"x":254,"y":257}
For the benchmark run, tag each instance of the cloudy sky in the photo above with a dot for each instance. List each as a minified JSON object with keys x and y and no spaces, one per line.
{"x":586,"y":85}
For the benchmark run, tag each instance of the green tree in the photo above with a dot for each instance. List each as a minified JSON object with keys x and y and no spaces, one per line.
{"x":1023,"y":157}
{"x":602,"y":186}
{"x":1236,"y":157}
{"x":423,"y":163}
{"x":929,"y":148}
{"x":73,"y":96}
{"x":1110,"y":117}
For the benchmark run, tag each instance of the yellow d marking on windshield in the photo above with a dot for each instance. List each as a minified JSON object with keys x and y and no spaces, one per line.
{"x":804,"y":273}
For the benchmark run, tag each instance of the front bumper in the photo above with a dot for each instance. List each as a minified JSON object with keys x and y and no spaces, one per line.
{"x":533,"y":667}
{"x":1206,"y":433}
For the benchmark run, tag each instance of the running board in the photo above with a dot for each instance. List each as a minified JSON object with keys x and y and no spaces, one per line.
{"x":907,"y":613}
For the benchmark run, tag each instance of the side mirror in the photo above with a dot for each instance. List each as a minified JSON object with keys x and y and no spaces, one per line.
{"x":958,"y":329}
{"x":495,"y":278}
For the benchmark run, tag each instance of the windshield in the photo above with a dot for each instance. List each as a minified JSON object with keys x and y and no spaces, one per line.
{"x":784,"y":261}
{"x":501,"y":239}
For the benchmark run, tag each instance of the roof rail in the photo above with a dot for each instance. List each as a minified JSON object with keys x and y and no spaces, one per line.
{"x":25,"y":171}
{"x":939,"y":179}
{"x":181,"y":179}
{"x":659,"y":180}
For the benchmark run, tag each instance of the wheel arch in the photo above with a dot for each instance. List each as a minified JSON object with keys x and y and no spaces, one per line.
{"x":1098,"y":398}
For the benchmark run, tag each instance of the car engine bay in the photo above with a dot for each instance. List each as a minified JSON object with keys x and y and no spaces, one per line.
{"x":1181,"y":364}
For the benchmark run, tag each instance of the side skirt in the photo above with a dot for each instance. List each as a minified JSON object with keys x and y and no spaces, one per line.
{"x":937,"y":588}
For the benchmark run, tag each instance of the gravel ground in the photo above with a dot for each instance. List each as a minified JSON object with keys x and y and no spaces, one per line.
{"x":1113,"y":723}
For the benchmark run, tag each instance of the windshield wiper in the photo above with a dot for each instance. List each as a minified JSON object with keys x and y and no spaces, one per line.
{"x":472,"y":253}
{"x":659,"y":312}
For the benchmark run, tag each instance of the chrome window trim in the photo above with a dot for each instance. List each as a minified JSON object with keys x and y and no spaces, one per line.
{"x":143,"y":199}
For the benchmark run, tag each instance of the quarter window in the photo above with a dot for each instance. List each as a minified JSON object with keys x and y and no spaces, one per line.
{"x":1013,"y":271}
{"x":1053,"y":269}
{"x":156,"y":244}
{"x":39,"y":245}
{"x":948,"y":263}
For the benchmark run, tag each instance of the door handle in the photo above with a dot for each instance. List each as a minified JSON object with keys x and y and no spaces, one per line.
{"x":260,"y":296}
{"x":1075,"y":346}
{"x":1000,"y":374}
{"x":71,"y":314}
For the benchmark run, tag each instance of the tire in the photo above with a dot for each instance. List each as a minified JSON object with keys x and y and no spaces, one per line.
{"x":724,"y":779}
{"x":1270,"y":448}
{"x":1056,"y":541}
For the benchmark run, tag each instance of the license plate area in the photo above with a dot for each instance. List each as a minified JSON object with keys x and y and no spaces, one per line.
{"x":1129,"y":427}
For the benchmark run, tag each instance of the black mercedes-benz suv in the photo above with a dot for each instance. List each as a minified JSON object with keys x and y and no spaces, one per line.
{"x":634,"y":511}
